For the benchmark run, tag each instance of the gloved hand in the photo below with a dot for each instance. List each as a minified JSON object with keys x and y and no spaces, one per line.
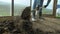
{"x":45,"y":6}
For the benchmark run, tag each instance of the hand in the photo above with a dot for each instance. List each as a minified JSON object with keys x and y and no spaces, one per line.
{"x":45,"y":6}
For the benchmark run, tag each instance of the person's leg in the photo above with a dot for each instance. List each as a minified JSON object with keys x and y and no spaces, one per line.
{"x":40,"y":9}
{"x":34,"y":6}
{"x":33,"y":11}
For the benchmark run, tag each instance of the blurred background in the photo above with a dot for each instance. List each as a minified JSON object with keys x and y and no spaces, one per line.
{"x":20,"y":5}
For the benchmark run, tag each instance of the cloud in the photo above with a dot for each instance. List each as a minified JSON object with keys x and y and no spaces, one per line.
{"x":58,"y":2}
{"x":9,"y":1}
{"x":24,"y":2}
{"x":50,"y":5}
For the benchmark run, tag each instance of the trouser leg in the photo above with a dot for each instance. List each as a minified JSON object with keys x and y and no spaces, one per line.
{"x":40,"y":9}
{"x":33,"y":14}
{"x":40,"y":12}
{"x":34,"y":6}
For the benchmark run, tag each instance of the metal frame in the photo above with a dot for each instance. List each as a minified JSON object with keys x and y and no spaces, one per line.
{"x":54,"y":8}
{"x":12,"y":7}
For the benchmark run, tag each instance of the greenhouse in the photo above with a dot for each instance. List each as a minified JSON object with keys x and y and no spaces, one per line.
{"x":16,"y":17}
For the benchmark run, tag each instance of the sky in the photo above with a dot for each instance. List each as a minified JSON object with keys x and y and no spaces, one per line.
{"x":9,"y":1}
{"x":27,"y":3}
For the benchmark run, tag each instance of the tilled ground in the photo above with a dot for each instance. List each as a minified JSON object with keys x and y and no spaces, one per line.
{"x":41,"y":26}
{"x":50,"y":25}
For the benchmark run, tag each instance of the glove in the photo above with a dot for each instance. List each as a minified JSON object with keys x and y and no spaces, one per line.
{"x":45,"y":6}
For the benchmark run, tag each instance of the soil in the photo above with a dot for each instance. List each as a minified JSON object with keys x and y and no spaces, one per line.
{"x":43,"y":26}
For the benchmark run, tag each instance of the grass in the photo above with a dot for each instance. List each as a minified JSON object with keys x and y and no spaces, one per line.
{"x":19,"y":11}
{"x":49,"y":11}
{"x":5,"y":10}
